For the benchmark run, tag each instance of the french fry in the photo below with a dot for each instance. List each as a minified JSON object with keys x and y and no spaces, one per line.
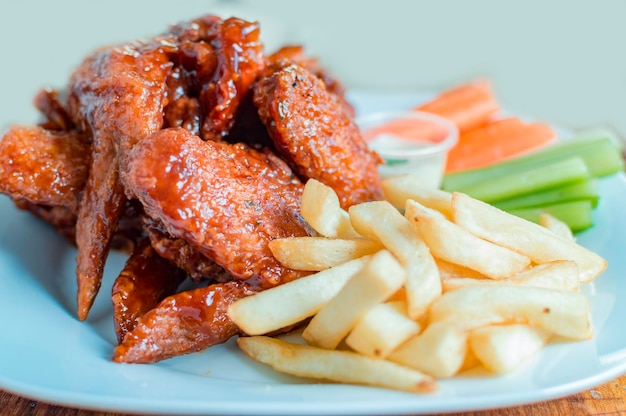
{"x":488,"y":287}
{"x":555,"y":225}
{"x":321,"y":210}
{"x":399,"y":189}
{"x":567,"y":314}
{"x":449,"y":270}
{"x":319,"y":253}
{"x":501,"y":348}
{"x":470,"y":362}
{"x":525,"y":237}
{"x":382,"y":222}
{"x":340,"y":366}
{"x":560,"y":274}
{"x":438,"y":351}
{"x":291,"y":302}
{"x":379,"y":278}
{"x":453,"y":244}
{"x":382,"y":329}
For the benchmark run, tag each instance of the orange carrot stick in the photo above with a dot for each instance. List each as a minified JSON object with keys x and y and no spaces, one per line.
{"x":497,"y":141}
{"x":468,"y":105}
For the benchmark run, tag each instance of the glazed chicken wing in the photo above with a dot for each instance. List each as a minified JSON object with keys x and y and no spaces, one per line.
{"x":190,"y":148}
{"x":186,"y":322}
{"x":313,"y":133}
{"x":44,"y":167}
{"x":145,"y":281}
{"x":219,"y":60}
{"x":116,"y":96}
{"x":227,"y":201}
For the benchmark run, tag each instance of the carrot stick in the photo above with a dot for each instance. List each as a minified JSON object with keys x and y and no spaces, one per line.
{"x":468,"y":105}
{"x":499,"y":140}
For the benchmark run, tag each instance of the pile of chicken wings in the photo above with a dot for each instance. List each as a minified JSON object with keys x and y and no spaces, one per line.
{"x":188,"y":150}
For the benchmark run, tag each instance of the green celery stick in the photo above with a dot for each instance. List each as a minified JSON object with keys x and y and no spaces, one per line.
{"x":576,"y":214}
{"x":539,"y":178}
{"x":600,"y":152}
{"x":585,"y":189}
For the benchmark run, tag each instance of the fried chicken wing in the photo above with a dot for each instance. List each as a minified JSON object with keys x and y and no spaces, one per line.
{"x":249,"y":128}
{"x":117,"y":97}
{"x":44,"y":167}
{"x":186,"y":322}
{"x":316,"y":136}
{"x":180,"y":148}
{"x":227,"y":201}
{"x":145,"y":281}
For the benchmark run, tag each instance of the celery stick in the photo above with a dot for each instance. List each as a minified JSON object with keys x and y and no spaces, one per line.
{"x":600,"y":153}
{"x":586,"y":189}
{"x":576,"y":214}
{"x":537,"y":179}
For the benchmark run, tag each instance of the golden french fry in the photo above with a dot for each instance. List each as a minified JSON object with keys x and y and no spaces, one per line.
{"x":438,"y":351}
{"x":555,"y":225}
{"x":321,"y":210}
{"x":382,"y":222}
{"x":525,"y":237}
{"x":379,"y":278}
{"x":563,"y":313}
{"x":382,"y":329}
{"x":292,"y":302}
{"x":453,"y":244}
{"x":501,"y":348}
{"x":560,"y":274}
{"x":319,"y":253}
{"x":340,"y":366}
{"x":449,"y":270}
{"x":470,"y":362}
{"x":399,"y":189}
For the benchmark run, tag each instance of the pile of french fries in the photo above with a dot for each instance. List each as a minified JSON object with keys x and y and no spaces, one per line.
{"x":417,"y":288}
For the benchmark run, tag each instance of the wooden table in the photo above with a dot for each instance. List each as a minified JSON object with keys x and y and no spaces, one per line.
{"x":608,"y":399}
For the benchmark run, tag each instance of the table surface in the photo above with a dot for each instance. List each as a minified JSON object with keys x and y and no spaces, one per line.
{"x":607,"y":399}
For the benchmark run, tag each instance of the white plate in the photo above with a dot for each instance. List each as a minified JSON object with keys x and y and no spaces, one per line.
{"x":47,"y":354}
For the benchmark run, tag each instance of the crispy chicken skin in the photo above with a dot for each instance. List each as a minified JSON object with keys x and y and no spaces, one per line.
{"x":117,"y":97}
{"x":44,"y":167}
{"x":227,"y":201}
{"x":186,"y":322}
{"x":316,"y":137}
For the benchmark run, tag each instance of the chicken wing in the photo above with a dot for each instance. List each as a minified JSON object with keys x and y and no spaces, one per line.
{"x":227,"y":201}
{"x":186,"y":322}
{"x":144,"y":282}
{"x":219,"y":61}
{"x":44,"y":167}
{"x":316,"y":136}
{"x":117,"y":97}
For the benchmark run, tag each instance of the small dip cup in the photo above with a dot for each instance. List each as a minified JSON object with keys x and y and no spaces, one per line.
{"x":410,"y":142}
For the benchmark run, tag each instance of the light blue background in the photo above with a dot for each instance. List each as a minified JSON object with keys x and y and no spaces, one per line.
{"x":559,"y":61}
